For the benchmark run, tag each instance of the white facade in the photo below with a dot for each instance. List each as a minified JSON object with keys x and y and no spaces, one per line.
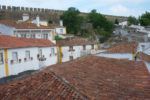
{"x":144,"y":47}
{"x":60,"y":30}
{"x":123,"y":24}
{"x":28,"y":33}
{"x":36,"y":33}
{"x":77,"y":51}
{"x":23,"y":63}
{"x":128,"y":56}
{"x":41,"y":22}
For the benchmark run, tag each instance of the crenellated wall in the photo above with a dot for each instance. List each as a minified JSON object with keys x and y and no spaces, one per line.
{"x":14,"y":12}
{"x":29,"y":9}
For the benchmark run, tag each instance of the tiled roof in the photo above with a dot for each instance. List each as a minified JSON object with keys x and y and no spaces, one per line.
{"x":13,"y":42}
{"x":22,"y":25}
{"x":74,"y":41}
{"x":107,"y":79}
{"x":40,"y":86}
{"x":129,"y":47}
{"x":90,"y":77}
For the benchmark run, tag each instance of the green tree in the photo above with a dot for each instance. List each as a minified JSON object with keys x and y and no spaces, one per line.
{"x":116,"y":21}
{"x":72,"y":20}
{"x":132,"y":20}
{"x":145,"y":19}
{"x":101,"y":25}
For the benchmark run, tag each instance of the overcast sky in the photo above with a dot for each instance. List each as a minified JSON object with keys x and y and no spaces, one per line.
{"x":110,"y":7}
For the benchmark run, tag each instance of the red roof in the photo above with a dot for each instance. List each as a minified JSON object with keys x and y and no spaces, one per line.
{"x":40,"y":86}
{"x":22,"y":25}
{"x":107,"y":79}
{"x":95,"y":77}
{"x":74,"y":41}
{"x":129,"y":47}
{"x":13,"y":42}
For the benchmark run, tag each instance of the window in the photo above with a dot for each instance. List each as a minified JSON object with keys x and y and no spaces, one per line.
{"x":61,"y":31}
{"x":33,"y":36}
{"x":15,"y":56}
{"x":27,"y":55}
{"x":23,"y":35}
{"x":92,"y":46}
{"x":1,"y":58}
{"x":84,"y":47}
{"x":70,"y":48}
{"x":40,"y":52}
{"x":143,"y":47}
{"x":45,"y":36}
{"x":52,"y":51}
{"x":71,"y":57}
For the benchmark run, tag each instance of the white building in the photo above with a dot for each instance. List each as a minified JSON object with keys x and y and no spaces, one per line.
{"x":121,"y":51}
{"x":27,"y":30}
{"x":144,"y":47}
{"x":123,"y":24}
{"x":73,"y":48}
{"x":59,"y":29}
{"x":22,"y":54}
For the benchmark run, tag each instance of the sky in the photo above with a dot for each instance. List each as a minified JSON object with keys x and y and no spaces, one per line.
{"x":109,"y":7}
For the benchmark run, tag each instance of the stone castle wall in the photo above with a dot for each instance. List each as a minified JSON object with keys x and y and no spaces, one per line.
{"x":15,"y":13}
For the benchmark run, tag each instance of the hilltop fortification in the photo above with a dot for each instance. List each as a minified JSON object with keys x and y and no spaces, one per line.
{"x":15,"y":13}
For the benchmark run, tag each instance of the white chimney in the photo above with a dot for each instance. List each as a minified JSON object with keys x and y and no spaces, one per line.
{"x":38,"y":20}
{"x":25,"y":17}
{"x":61,"y":22}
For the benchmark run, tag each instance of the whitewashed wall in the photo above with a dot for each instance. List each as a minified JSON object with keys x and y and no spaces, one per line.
{"x":24,"y":65}
{"x":76,"y":53}
{"x":58,"y":30}
{"x":146,"y":48}
{"x":34,"y":64}
{"x":50,"y":59}
{"x":2,"y":66}
{"x":117,"y":55}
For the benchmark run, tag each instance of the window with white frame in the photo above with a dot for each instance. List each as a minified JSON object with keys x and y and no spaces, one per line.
{"x":84,"y":47}
{"x":52,"y":51}
{"x":61,"y":31}
{"x":27,"y":53}
{"x":15,"y":56}
{"x":23,"y":35}
{"x":70,"y":48}
{"x":33,"y":35}
{"x":92,"y":46}
{"x":45,"y":36}
{"x":1,"y":58}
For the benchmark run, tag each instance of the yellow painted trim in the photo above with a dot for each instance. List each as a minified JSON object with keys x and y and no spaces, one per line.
{"x":60,"y":55}
{"x":6,"y":62}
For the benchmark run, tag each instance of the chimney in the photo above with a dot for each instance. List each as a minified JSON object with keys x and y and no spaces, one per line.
{"x":61,"y":22}
{"x":38,"y":21}
{"x":25,"y":17}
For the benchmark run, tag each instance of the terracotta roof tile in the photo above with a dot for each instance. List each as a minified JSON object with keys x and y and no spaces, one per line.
{"x":103,"y":78}
{"x":22,"y":25}
{"x":13,"y":42}
{"x":40,"y":86}
{"x":95,"y":77}
{"x":74,"y":41}
{"x":129,"y":47}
